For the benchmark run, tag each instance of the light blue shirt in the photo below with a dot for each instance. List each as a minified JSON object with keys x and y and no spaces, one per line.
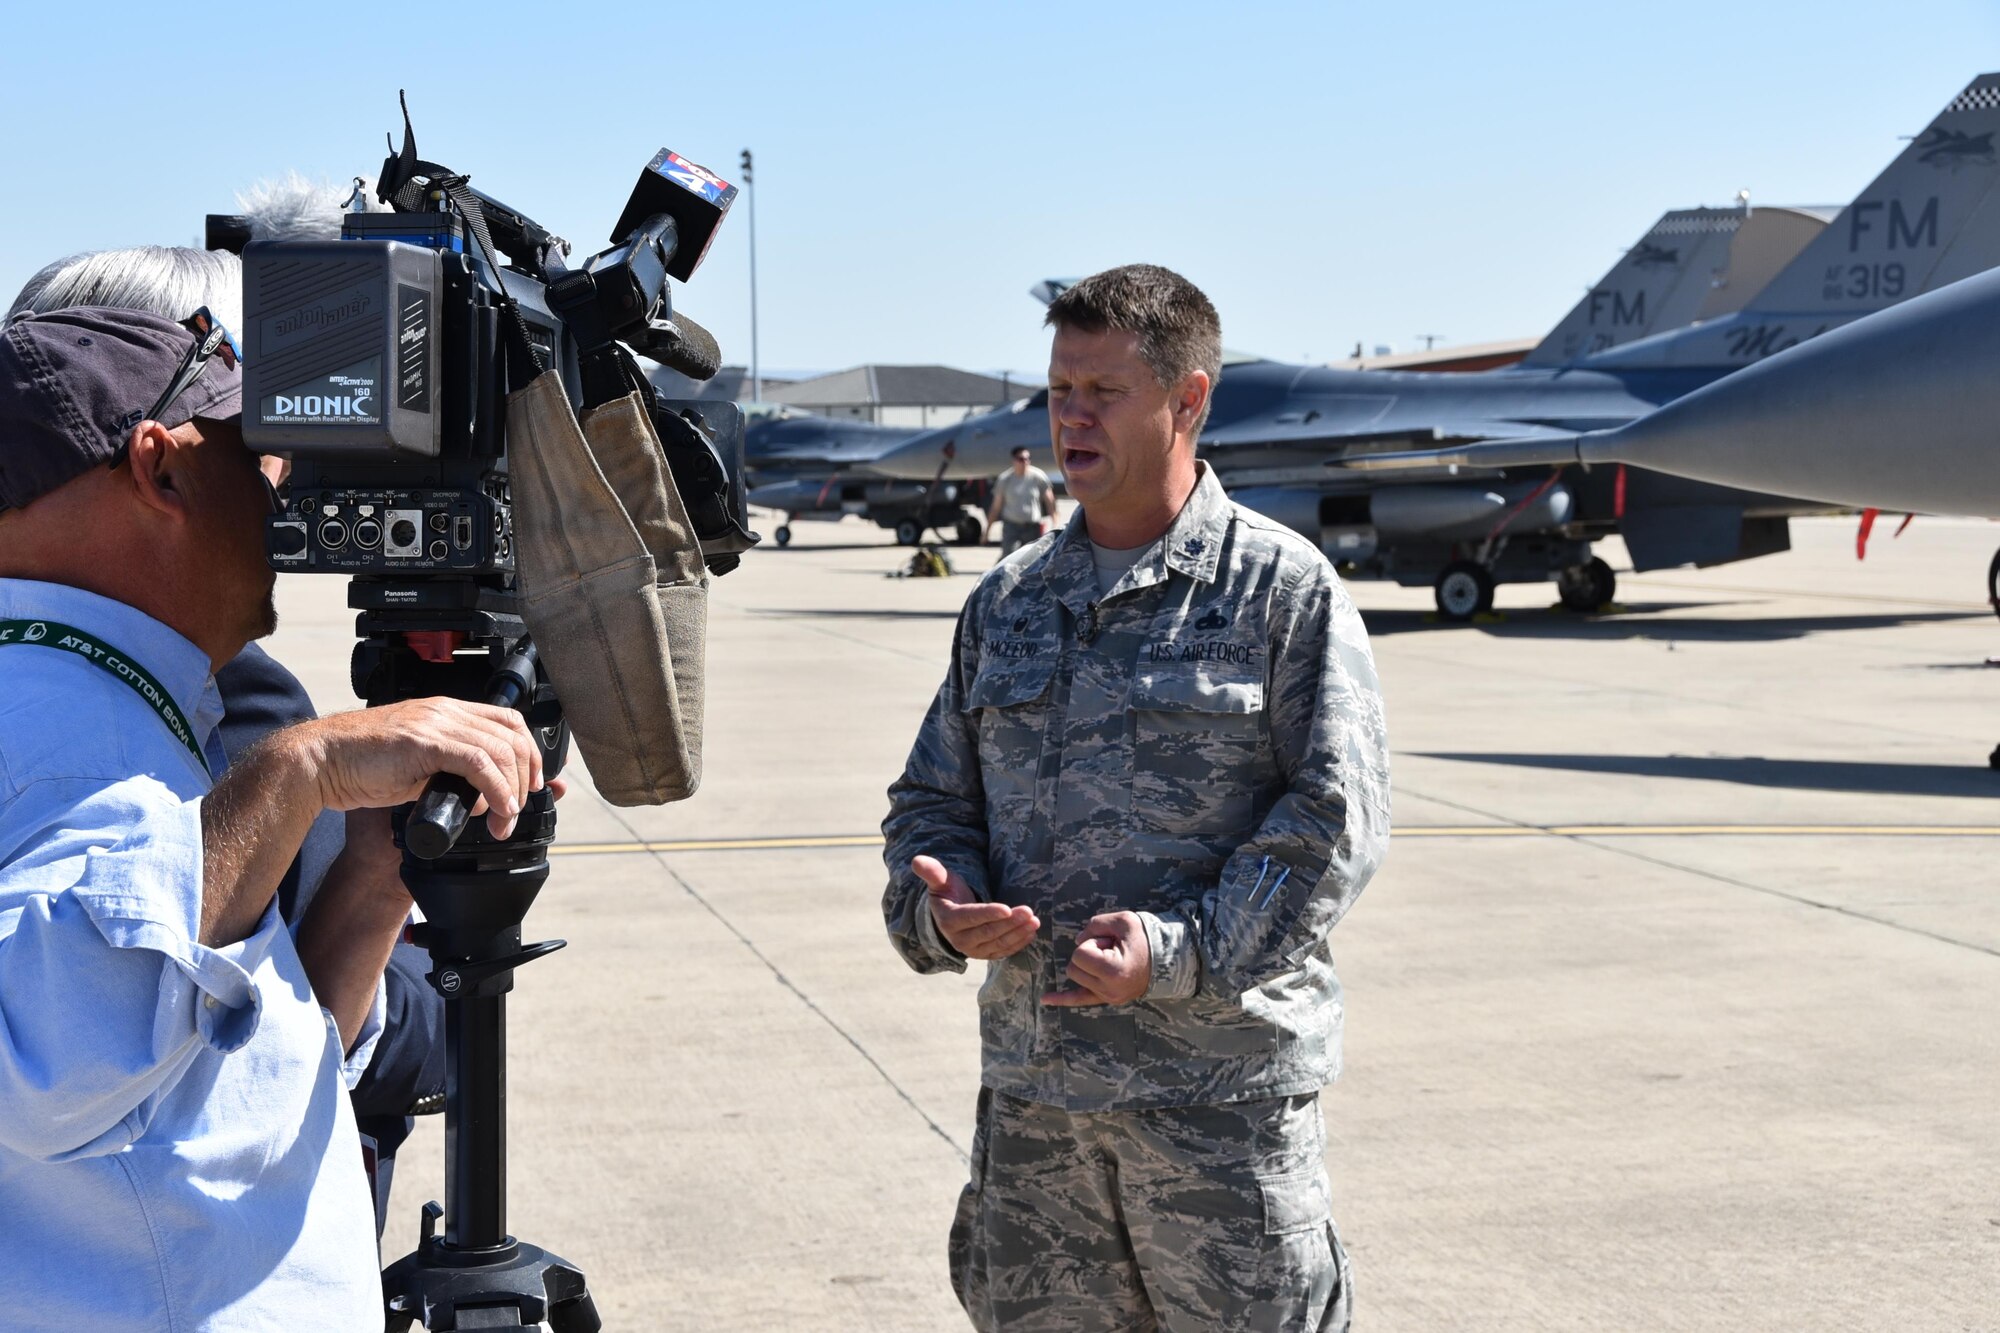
{"x":176,"y":1146}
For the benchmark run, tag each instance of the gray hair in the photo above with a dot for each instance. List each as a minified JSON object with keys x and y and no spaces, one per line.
{"x":168,"y":280}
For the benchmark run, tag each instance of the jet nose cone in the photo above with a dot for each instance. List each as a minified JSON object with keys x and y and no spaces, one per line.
{"x":917,"y":459}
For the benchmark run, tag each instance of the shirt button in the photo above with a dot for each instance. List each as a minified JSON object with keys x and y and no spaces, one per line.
{"x":208,"y":1001}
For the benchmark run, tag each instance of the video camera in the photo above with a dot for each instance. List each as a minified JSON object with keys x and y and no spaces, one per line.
{"x":380,"y":363}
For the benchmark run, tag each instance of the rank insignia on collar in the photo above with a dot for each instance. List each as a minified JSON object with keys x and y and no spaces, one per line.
{"x":1194,"y":546}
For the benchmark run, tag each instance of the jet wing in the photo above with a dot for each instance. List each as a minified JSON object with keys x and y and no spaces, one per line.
{"x":1269,"y":433}
{"x":1549,"y":448}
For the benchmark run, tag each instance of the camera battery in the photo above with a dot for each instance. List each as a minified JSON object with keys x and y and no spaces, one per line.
{"x":341,"y":356}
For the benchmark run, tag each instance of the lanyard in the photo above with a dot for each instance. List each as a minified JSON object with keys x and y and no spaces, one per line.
{"x":68,"y":638}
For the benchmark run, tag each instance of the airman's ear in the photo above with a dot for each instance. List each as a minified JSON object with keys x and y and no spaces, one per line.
{"x":1191,"y":399}
{"x":153,"y":461}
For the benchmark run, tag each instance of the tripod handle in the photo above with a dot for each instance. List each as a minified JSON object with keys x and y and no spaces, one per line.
{"x":439,"y":816}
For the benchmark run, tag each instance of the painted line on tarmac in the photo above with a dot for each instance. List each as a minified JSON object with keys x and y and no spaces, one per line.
{"x":1413,"y":831}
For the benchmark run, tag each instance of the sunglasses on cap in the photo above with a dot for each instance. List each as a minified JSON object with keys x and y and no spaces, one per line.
{"x":211,"y":339}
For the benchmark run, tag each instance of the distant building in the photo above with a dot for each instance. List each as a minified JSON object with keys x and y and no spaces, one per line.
{"x":901,"y":395}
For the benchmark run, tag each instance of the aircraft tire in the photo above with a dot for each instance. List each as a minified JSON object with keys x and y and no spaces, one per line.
{"x":971,"y":531}
{"x":1463,"y":590}
{"x":1993,"y":590}
{"x":909,"y":532}
{"x":1587,"y":587}
{"x":784,"y":534}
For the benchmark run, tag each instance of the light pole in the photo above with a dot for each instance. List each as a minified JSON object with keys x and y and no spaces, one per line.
{"x":750,"y":189}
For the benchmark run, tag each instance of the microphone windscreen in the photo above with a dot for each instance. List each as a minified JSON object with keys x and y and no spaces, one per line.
{"x":696,"y":354}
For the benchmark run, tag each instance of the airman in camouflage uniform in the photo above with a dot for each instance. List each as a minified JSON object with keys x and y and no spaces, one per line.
{"x":1201,"y":746}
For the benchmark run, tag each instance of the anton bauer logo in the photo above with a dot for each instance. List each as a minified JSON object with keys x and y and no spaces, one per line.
{"x":323,"y":316}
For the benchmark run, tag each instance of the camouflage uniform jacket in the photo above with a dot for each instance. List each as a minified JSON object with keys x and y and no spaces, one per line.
{"x":1203,"y":746}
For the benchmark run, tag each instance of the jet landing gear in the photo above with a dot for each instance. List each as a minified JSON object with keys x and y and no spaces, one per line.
{"x":1993,"y":600}
{"x":966,"y":529}
{"x":1591,"y":586}
{"x":784,"y":534}
{"x":1464,"y":589}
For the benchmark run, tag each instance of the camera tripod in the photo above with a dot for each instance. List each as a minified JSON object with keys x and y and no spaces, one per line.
{"x":474,"y":891}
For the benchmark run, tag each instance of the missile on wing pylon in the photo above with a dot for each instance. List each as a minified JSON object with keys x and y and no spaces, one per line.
{"x":1898,"y":410}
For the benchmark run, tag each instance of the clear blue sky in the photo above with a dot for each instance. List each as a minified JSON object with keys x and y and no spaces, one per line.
{"x":1329,"y":173}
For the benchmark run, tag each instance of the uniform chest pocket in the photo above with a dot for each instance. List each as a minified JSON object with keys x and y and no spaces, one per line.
{"x":1197,"y":740}
{"x":1010,"y":700}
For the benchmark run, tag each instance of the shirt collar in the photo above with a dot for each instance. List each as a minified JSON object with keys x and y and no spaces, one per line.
{"x":172,"y":659}
{"x":1192,"y":545}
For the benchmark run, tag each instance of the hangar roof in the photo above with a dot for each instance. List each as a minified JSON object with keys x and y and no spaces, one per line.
{"x":900,"y":386}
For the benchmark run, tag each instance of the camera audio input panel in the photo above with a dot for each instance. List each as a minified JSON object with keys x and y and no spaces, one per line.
{"x":391,"y":532}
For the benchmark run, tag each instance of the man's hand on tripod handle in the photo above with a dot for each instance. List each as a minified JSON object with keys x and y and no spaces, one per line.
{"x":362,"y":762}
{"x":384,"y":756}
{"x":257,"y":816}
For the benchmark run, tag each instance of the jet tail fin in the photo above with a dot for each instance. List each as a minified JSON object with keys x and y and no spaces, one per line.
{"x":1931,"y":218}
{"x":1658,"y":284}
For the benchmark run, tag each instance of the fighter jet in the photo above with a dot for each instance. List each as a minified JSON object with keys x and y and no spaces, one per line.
{"x":1919,"y":226}
{"x":1892,"y":411}
{"x":1897,"y":410}
{"x":815,"y":467}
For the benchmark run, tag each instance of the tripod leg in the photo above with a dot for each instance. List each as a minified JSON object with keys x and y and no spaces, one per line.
{"x":577,"y":1316}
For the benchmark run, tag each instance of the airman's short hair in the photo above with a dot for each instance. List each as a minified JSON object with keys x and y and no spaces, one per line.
{"x":1178,"y":328}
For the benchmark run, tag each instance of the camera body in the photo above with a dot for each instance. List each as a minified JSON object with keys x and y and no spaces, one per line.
{"x":374,"y":363}
{"x":380,"y":364}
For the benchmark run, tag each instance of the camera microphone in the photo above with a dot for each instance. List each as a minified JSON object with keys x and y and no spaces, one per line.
{"x":693,"y":196}
{"x":689,"y":349}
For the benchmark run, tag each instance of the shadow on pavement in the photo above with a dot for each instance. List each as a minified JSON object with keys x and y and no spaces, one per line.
{"x":856,"y":613}
{"x":1554,"y":623}
{"x":770,"y":546}
{"x":1972,"y":778}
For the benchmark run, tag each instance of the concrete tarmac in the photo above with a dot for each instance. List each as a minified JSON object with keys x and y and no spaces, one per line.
{"x":1672,"y":1008}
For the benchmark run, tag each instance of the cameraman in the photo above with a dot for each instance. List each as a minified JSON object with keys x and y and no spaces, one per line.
{"x":176,"y":1147}
{"x":258,"y":694}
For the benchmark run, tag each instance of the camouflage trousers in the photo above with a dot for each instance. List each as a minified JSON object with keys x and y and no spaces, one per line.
{"x":1192,"y":1219}
{"x":1013,"y":536}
